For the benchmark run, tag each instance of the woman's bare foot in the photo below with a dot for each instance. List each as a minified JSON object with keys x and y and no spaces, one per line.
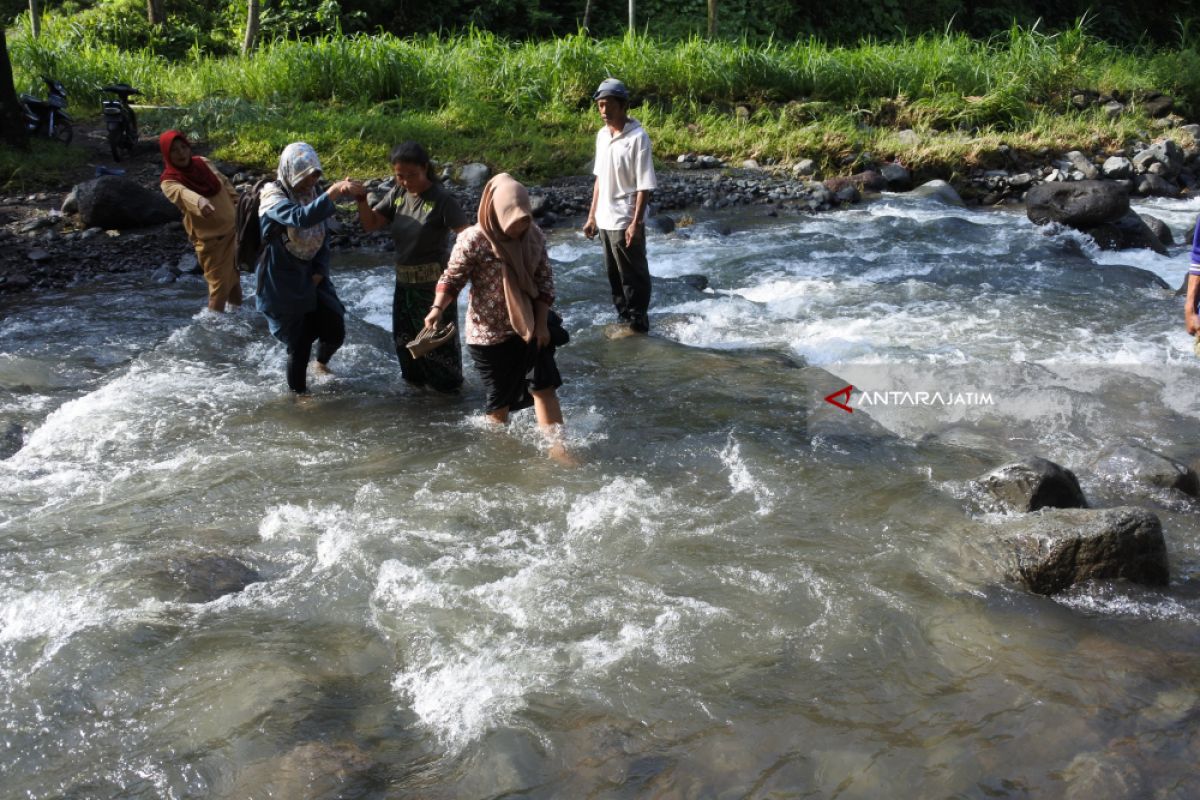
{"x":560,"y":455}
{"x":321,"y":369}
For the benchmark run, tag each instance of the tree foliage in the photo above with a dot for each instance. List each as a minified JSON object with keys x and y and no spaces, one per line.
{"x":218,"y":27}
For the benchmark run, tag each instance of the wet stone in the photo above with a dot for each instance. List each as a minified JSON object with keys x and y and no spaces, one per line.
{"x":309,"y":770}
{"x":164,"y":274}
{"x":661,"y":223}
{"x":209,"y":577}
{"x":1079,"y":204}
{"x":1030,"y":485}
{"x":939,"y":190}
{"x":1095,"y":775}
{"x":1139,"y":464}
{"x":12,"y":439}
{"x":1159,"y":228}
{"x":1059,"y":548}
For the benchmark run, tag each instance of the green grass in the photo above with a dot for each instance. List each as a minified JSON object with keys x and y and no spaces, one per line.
{"x":526,"y":106}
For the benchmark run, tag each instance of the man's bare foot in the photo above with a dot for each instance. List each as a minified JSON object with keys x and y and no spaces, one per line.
{"x":321,"y":369}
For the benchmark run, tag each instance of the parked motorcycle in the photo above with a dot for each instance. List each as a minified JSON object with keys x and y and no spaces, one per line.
{"x":120,"y":119}
{"x":47,"y":117}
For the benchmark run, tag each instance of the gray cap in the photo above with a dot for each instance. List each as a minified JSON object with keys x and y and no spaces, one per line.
{"x":611,"y":87}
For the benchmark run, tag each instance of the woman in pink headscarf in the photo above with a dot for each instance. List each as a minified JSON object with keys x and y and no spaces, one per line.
{"x":511,"y":332}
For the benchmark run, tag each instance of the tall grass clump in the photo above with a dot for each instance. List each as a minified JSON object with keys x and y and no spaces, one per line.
{"x":478,"y":67}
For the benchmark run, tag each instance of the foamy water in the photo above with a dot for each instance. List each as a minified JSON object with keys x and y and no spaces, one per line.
{"x":742,"y":592}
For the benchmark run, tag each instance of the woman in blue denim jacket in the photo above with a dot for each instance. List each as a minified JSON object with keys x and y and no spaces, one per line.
{"x":295,"y":291}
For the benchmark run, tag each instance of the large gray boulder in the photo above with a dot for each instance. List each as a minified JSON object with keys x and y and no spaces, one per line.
{"x":113,"y":202}
{"x":1058,"y":548}
{"x":475,"y":175}
{"x":1131,"y":462}
{"x":1079,"y":204}
{"x":1030,"y":485}
{"x":941,"y":191}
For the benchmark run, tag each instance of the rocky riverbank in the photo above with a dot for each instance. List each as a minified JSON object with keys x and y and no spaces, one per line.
{"x":45,"y":244}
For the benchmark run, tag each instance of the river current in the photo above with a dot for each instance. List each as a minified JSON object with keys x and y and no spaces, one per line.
{"x":743,"y":592}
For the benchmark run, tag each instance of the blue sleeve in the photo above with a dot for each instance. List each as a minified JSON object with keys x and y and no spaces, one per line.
{"x":1195,"y":268}
{"x":295,"y":215}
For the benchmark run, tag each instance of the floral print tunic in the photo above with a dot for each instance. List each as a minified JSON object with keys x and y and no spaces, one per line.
{"x":487,"y":313}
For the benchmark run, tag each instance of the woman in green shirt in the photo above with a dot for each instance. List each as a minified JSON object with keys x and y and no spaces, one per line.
{"x":420,"y":214}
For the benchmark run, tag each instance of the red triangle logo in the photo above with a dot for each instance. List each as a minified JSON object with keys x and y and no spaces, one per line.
{"x":843,"y":393}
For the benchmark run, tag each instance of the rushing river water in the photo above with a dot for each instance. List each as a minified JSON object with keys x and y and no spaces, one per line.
{"x":743,"y":592}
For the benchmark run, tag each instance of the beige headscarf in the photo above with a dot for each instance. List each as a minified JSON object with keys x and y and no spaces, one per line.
{"x":297,"y":161}
{"x":504,"y":202}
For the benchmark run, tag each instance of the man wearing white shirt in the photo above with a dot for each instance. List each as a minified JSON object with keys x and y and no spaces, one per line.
{"x":624,"y":180}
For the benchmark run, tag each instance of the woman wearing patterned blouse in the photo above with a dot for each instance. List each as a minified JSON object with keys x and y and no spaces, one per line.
{"x":504,"y":258}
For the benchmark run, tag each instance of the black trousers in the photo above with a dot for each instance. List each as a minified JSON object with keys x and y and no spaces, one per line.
{"x":628,"y":277}
{"x":325,"y":326}
{"x":511,"y":369}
